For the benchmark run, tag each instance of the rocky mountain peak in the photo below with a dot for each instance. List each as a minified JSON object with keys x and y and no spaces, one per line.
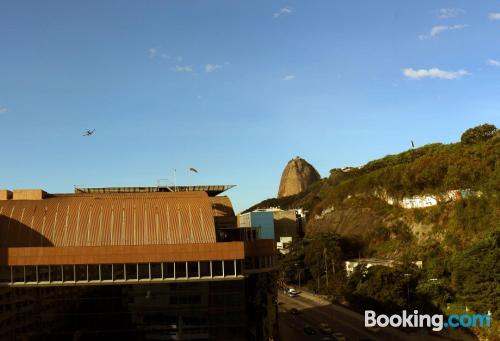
{"x":297,"y":176}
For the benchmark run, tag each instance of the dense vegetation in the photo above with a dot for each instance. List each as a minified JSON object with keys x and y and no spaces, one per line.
{"x":433,"y":168}
{"x":460,"y":252}
{"x":473,"y":163}
{"x":447,"y":283}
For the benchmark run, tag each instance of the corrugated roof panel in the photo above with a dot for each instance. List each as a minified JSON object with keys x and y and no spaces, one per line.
{"x":14,"y":229}
{"x":170,"y":232}
{"x":11,"y":226}
{"x":93,"y":232}
{"x":108,"y":219}
{"x":187,"y":230}
{"x":222,"y":206}
{"x":79,"y":238}
{"x":153,"y":222}
{"x":149,"y":222}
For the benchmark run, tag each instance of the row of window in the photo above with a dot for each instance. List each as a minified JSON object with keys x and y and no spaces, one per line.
{"x":125,"y":272}
{"x":133,"y":272}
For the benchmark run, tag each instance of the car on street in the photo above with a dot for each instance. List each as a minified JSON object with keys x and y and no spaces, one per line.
{"x":374,"y":330}
{"x":294,"y":311}
{"x":325,"y":329}
{"x":339,"y":337}
{"x":309,"y":330}
{"x":292,"y":292}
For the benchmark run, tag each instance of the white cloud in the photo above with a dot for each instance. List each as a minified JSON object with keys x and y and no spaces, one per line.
{"x":448,"y":28}
{"x":165,"y":56}
{"x":495,"y":16}
{"x":433,"y":73}
{"x":179,"y":68}
{"x":446,"y":13}
{"x":180,"y":58}
{"x":435,"y":30}
{"x":283,"y":11}
{"x":3,"y":110}
{"x":289,"y":77}
{"x":212,"y":67}
{"x":493,"y":62}
{"x":153,"y":52}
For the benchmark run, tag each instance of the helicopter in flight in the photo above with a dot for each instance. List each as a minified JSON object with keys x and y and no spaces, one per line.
{"x":88,"y":132}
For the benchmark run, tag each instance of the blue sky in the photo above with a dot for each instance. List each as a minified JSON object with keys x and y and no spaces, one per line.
{"x":235,"y":88}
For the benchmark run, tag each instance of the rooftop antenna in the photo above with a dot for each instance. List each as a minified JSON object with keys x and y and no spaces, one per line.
{"x":175,"y":180}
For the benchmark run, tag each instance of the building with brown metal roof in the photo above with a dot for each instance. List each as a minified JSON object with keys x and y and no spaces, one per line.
{"x":37,"y":228}
{"x":108,"y":220}
{"x":131,"y":237}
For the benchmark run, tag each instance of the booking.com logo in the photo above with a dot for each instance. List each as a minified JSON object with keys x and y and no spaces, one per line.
{"x":417,"y":320}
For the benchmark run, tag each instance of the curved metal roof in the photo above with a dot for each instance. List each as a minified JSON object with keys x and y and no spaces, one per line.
{"x":108,"y":220}
{"x":222,"y":206}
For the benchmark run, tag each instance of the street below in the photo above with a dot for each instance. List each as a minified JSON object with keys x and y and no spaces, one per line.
{"x":312,"y":311}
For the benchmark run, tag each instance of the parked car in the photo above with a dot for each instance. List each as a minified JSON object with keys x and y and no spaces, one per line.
{"x":339,"y":337}
{"x":292,"y":292}
{"x":325,"y":329}
{"x":309,"y":330}
{"x":374,"y":330}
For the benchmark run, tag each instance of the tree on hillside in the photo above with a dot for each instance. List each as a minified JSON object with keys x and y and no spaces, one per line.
{"x":383,"y":288}
{"x":478,"y":134}
{"x":475,"y":275}
{"x":318,"y":257}
{"x":323,"y":257}
{"x":293,"y":262}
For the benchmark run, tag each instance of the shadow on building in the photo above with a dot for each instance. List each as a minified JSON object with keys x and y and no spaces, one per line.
{"x":19,"y":308}
{"x":218,"y":310}
{"x":16,"y":234}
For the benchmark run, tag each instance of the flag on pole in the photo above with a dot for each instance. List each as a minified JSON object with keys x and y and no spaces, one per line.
{"x":193,"y":170}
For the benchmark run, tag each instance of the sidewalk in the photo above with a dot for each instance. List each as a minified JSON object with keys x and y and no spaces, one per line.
{"x":323,"y":300}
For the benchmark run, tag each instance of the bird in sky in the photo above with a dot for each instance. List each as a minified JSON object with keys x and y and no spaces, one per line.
{"x":193,"y":170}
{"x":88,"y":132}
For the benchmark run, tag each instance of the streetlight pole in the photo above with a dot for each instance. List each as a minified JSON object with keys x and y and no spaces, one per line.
{"x":407,"y":277}
{"x":326,"y":267}
{"x":175,"y":180}
{"x":300,"y":272}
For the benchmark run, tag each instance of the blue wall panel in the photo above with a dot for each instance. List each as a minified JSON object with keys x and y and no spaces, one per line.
{"x":265,"y":221}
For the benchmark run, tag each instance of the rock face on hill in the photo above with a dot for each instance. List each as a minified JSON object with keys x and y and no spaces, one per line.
{"x":297,"y":176}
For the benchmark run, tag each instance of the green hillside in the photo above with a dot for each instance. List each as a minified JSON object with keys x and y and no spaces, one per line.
{"x":345,"y":202}
{"x":458,"y":241}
